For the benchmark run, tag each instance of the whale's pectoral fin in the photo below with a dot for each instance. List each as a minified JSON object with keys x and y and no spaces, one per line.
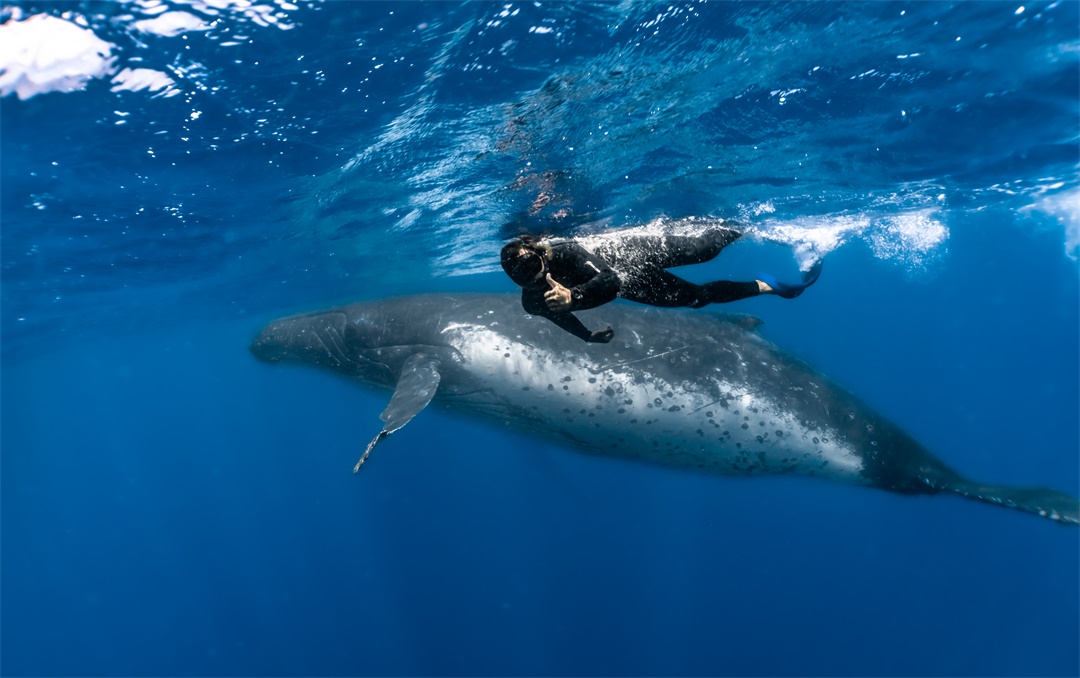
{"x":416,"y":386}
{"x":368,"y":449}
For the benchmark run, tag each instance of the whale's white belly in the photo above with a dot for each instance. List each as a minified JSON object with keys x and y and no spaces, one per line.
{"x":625,"y":410}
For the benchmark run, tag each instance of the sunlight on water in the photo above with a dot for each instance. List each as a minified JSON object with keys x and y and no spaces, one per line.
{"x":43,"y":53}
{"x":442,"y":133}
{"x":46,"y":54}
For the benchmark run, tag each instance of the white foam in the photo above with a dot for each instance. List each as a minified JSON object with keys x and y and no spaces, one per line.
{"x":1064,"y":207}
{"x":47,"y":54}
{"x":910,"y":237}
{"x":138,"y":79}
{"x":815,"y":236}
{"x":171,"y":24}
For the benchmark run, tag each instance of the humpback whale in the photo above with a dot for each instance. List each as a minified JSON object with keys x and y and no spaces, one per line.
{"x":690,"y":390}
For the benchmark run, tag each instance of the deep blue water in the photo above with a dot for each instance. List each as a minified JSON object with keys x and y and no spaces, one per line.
{"x":170,"y":506}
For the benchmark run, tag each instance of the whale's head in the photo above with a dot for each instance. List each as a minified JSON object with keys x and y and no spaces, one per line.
{"x":330,"y":339}
{"x":309,"y":338}
{"x":362,"y":340}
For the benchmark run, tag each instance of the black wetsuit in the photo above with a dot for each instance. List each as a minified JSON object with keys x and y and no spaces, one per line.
{"x":633,"y":268}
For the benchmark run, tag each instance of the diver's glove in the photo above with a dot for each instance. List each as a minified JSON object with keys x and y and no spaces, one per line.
{"x":789,"y":291}
{"x":601,"y":336}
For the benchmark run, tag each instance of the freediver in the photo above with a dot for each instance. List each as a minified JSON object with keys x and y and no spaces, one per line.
{"x":558,"y":277}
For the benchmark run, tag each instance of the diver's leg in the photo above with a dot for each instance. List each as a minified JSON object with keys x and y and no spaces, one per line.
{"x":723,"y":291}
{"x":641,"y":252}
{"x":684,"y":250}
{"x":671,"y":251}
{"x":657,"y":287}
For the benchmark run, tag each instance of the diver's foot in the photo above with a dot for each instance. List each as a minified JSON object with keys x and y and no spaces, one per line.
{"x":786,"y":290}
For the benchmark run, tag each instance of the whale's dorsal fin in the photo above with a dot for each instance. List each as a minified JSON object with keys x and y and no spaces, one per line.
{"x":743,"y":320}
{"x":416,"y":386}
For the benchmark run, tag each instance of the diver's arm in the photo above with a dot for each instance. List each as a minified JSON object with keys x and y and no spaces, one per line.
{"x":567,"y":321}
{"x":571,"y":323}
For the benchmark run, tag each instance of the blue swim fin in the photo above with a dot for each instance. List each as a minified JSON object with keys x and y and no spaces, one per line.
{"x":790,"y":291}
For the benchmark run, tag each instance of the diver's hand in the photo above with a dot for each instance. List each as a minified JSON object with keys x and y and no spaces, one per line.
{"x":601,"y":336}
{"x":558,"y":298}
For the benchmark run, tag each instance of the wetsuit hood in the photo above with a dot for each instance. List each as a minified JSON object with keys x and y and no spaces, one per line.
{"x":523,"y":264}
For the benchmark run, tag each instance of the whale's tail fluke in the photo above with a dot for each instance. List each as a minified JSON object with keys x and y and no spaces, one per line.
{"x":1042,"y":501}
{"x":932,"y":475}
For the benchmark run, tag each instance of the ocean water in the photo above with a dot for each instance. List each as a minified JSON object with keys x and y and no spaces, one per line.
{"x":177,"y":173}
